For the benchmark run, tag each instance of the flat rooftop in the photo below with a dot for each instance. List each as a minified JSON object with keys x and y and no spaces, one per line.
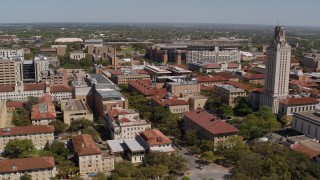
{"x":117,"y":145}
{"x":135,"y":144}
{"x":229,"y":88}
{"x":72,"y":105}
{"x":312,"y":115}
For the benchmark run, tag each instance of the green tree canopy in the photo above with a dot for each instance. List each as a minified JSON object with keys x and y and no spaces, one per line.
{"x":21,"y":117}
{"x":59,"y":127}
{"x":26,"y":177}
{"x":79,"y":124}
{"x":19,"y":148}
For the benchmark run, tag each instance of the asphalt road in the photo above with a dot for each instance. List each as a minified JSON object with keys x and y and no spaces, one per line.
{"x":211,"y":171}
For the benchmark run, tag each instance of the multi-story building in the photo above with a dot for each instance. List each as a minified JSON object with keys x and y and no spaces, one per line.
{"x":211,"y":80}
{"x":8,"y":38}
{"x":133,"y":149}
{"x":183,"y":87}
{"x":124,"y":77}
{"x":174,"y":104}
{"x":93,"y":42}
{"x":3,"y":114}
{"x":213,"y":56}
{"x":290,"y":106}
{"x":10,"y":53}
{"x":312,"y":62}
{"x":75,"y":109}
{"x":215,"y":67}
{"x":40,"y":66}
{"x":254,"y":78}
{"x":145,"y":88}
{"x":40,"y":135}
{"x":124,"y":123}
{"x":106,"y":99}
{"x":77,"y":55}
{"x":11,"y":72}
{"x":44,"y":112}
{"x":307,"y":123}
{"x":54,"y":77}
{"x":157,"y":141}
{"x":228,"y":93}
{"x":276,"y":86}
{"x":60,"y":92}
{"x":37,"y":167}
{"x":89,"y":157}
{"x":208,"y":126}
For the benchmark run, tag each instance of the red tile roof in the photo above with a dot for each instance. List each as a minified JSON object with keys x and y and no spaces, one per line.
{"x":34,"y":87}
{"x":204,"y":79}
{"x":233,"y":65}
{"x":212,"y":66}
{"x":311,"y":153}
{"x":116,"y":112}
{"x":240,"y":85}
{"x":299,"y":101}
{"x":174,"y":101}
{"x":206,"y":88}
{"x":26,"y":130}
{"x":43,"y":111}
{"x":6,"y":88}
{"x":84,"y":145}
{"x":59,"y":88}
{"x":227,"y":75}
{"x":15,"y":104}
{"x":25,"y":164}
{"x":303,"y":83}
{"x":45,"y":98}
{"x":209,"y":122}
{"x":253,"y":76}
{"x":145,"y":87}
{"x":155,"y":137}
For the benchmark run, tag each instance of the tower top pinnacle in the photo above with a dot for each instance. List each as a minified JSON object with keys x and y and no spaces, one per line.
{"x":279,"y":34}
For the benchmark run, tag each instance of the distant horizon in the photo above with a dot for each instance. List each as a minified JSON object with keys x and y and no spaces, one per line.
{"x":157,"y":23}
{"x":249,"y":12}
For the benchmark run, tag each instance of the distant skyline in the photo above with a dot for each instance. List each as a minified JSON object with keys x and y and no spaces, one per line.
{"x":271,"y":12}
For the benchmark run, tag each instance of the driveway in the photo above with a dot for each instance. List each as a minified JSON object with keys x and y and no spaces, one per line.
{"x":211,"y":171}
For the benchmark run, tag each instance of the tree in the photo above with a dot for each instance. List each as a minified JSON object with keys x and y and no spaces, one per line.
{"x":79,"y":124}
{"x":26,"y":177}
{"x":191,"y":137}
{"x":208,"y":156}
{"x":243,"y":107}
{"x":125,"y":170}
{"x":91,"y":131}
{"x":285,"y":120}
{"x":59,"y":127}
{"x":226,"y":110}
{"x":19,"y":148}
{"x":59,"y":151}
{"x":100,"y":176}
{"x":233,"y":150}
{"x":21,"y":117}
{"x":66,"y":168}
{"x":155,"y":172}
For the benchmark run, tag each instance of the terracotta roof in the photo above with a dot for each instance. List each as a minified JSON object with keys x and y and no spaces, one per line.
{"x":302,"y":148}
{"x":233,"y":65}
{"x":142,"y":72}
{"x":240,"y":85}
{"x":253,"y":76}
{"x":59,"y":88}
{"x":45,"y":98}
{"x":227,"y":75}
{"x":155,"y":137}
{"x":26,"y":130}
{"x":25,"y":164}
{"x":34,"y":87}
{"x":209,"y":122}
{"x":303,"y":83}
{"x":43,"y":111}
{"x":145,"y":87}
{"x":260,"y":90}
{"x":174,"y":101}
{"x":212,"y":66}
{"x":84,"y":145}
{"x":15,"y":104}
{"x":6,"y":88}
{"x":299,"y":101}
{"x":116,"y":112}
{"x":206,"y":88}
{"x":203,"y":79}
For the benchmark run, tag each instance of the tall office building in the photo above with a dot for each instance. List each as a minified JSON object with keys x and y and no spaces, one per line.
{"x":277,"y":70}
{"x":11,"y":72}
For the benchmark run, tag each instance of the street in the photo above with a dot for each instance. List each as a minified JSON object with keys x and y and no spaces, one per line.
{"x":211,"y":171}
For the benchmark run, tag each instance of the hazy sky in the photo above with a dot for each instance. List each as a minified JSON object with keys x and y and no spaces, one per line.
{"x":271,"y":12}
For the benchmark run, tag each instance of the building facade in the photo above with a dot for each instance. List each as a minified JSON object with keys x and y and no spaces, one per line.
{"x":277,"y":71}
{"x":124,"y":123}
{"x":37,"y":167}
{"x":89,"y":157}
{"x":75,"y":109}
{"x":290,"y":106}
{"x":40,"y":135}
{"x":307,"y":123}
{"x":229,"y":94}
